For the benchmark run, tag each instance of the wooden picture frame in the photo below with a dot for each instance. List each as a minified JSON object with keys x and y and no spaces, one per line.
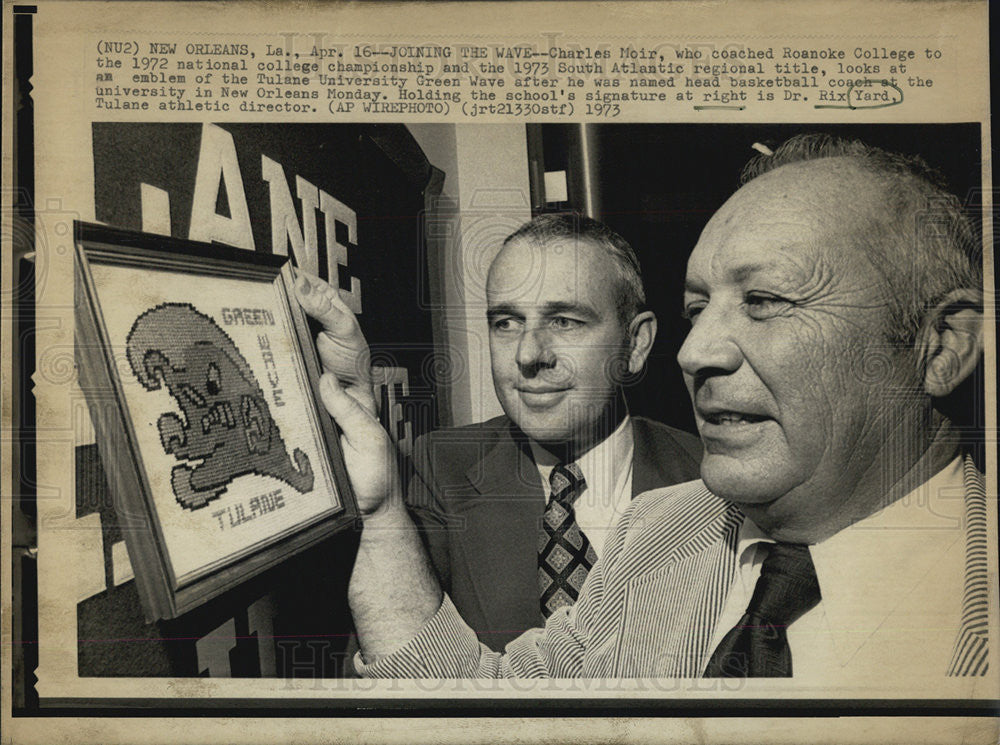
{"x":202,"y":381}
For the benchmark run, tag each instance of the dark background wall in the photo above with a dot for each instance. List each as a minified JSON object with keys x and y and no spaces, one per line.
{"x":658,"y":185}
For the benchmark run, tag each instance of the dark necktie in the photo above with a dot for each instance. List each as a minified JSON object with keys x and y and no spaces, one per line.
{"x":564,"y":553}
{"x":757,"y":647}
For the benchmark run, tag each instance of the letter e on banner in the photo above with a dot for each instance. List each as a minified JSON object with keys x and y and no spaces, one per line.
{"x":335,"y":211}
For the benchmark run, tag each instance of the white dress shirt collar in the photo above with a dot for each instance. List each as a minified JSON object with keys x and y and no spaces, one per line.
{"x":607,"y":469}
{"x":601,"y":465}
{"x":869,"y":570}
{"x":873,"y":567}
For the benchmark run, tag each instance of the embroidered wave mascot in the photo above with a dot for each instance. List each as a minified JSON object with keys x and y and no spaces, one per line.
{"x":227,"y":429}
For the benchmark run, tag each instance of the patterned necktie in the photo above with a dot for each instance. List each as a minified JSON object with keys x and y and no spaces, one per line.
{"x":757,"y":647}
{"x":564,"y":553}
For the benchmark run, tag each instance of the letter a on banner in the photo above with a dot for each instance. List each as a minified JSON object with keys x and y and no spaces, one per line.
{"x":217,"y":164}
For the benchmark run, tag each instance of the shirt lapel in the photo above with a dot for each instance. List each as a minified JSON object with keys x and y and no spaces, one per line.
{"x":497,"y":544}
{"x":655,"y":462}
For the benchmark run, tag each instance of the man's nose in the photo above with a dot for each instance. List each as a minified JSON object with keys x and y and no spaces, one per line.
{"x":709,"y":348}
{"x":534,"y":349}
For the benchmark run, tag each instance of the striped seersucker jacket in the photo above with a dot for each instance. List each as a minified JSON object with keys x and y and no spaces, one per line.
{"x":650,"y":608}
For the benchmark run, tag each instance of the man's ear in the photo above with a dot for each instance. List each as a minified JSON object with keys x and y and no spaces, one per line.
{"x":641,"y":333}
{"x":952,"y":341}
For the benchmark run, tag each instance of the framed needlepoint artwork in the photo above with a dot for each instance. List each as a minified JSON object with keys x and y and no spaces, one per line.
{"x":202,"y":382}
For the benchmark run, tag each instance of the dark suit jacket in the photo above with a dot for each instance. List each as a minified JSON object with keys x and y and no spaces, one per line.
{"x":478,"y":499}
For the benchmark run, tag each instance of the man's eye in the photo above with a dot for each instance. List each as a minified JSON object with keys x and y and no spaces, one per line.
{"x":691,"y":311}
{"x":563,"y":323}
{"x":213,"y":382}
{"x":504,"y":323}
{"x":763,"y":305}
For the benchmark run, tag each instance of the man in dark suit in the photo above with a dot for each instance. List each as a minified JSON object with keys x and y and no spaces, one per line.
{"x":567,"y":325}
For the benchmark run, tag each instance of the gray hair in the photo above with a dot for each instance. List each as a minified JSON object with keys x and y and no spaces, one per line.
{"x":631,"y":299}
{"x":930,"y":246}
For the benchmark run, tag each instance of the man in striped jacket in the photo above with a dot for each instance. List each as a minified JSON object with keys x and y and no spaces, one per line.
{"x":836,"y":307}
